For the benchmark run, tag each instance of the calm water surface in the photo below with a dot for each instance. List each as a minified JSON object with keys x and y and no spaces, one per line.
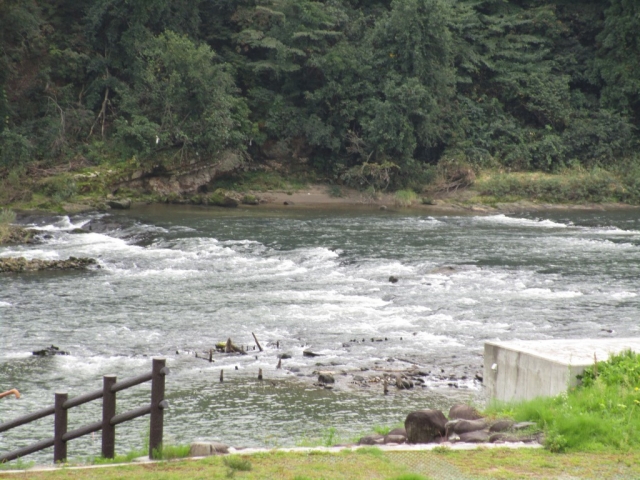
{"x":175,"y":280}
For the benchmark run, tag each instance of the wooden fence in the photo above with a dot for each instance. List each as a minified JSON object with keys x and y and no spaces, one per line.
{"x":109,"y":418}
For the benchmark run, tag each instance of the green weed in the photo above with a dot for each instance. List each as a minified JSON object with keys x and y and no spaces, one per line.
{"x":404,"y":198}
{"x":236,"y":463}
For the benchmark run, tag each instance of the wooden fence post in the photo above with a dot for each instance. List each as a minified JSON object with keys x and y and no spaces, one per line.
{"x":108,"y":412}
{"x":59,"y":428}
{"x":158,"y":373}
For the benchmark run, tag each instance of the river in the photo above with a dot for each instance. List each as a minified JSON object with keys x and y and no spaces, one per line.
{"x":174,"y":281}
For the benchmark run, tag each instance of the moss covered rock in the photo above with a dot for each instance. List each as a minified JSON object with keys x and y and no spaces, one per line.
{"x":221,"y":198}
{"x":21,"y":264}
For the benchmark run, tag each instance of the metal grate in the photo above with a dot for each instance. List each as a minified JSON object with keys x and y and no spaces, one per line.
{"x":427,"y":464}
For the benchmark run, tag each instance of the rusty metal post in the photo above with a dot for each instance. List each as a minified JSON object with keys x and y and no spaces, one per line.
{"x":108,"y":412}
{"x":157,"y":405}
{"x":60,"y":428}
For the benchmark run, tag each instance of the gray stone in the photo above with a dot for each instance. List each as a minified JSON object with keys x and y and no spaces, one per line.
{"x":523,"y":425}
{"x":425,"y":426}
{"x":371,"y":440}
{"x":205,"y":449}
{"x":466,"y":426}
{"x":465,"y":412}
{"x":398,"y":431}
{"x":501,"y":425}
{"x":395,"y":439}
{"x":479,"y":436}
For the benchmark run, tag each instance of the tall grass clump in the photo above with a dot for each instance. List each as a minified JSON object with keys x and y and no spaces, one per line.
{"x":7,"y":217}
{"x":602,"y":413}
{"x":404,"y":198}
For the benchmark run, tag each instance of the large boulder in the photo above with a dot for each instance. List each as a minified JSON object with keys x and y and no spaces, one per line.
{"x":465,"y":412}
{"x":425,"y":426}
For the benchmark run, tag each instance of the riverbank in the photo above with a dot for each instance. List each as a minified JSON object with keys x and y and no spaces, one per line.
{"x":466,"y":201}
{"x":106,"y":187}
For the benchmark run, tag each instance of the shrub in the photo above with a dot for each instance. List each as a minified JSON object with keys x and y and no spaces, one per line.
{"x":59,"y":188}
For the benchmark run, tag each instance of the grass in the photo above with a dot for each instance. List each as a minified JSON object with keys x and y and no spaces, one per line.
{"x":373,"y":463}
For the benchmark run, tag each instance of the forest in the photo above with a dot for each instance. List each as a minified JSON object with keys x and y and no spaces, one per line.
{"x":375,"y":90}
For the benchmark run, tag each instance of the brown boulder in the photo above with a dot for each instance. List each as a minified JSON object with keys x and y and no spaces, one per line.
{"x":425,"y":426}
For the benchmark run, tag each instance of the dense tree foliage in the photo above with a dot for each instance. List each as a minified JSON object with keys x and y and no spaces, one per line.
{"x":373,"y":92}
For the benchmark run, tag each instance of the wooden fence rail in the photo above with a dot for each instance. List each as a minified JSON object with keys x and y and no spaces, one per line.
{"x":109,"y":418}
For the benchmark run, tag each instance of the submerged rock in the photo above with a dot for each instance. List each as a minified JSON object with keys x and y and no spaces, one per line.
{"x":49,"y":351}
{"x":16,"y":235}
{"x":21,"y":264}
{"x":120,"y":203}
{"x":326,"y":378}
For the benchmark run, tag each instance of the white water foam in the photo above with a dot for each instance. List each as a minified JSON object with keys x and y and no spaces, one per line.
{"x":64,"y":224}
{"x":518,"y":222}
{"x":623,"y":295}
{"x":5,"y":304}
{"x":548,"y":293}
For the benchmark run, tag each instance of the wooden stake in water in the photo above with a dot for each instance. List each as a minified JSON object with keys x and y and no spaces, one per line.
{"x":221,"y":376}
{"x":256,"y":339}
{"x":259,"y":374}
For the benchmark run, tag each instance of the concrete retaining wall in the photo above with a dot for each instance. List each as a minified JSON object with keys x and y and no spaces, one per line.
{"x":522,"y":370}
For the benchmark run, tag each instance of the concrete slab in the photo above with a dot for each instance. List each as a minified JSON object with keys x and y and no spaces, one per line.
{"x":522,"y":370}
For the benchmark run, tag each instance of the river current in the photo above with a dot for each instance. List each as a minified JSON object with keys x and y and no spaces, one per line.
{"x":175,"y":281}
